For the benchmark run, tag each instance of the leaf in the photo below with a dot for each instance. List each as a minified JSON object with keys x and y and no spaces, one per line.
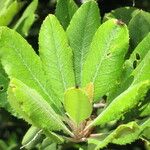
{"x":139,"y":27}
{"x":142,"y":72}
{"x":8,"y":12}
{"x":133,"y":96}
{"x":2,"y":4}
{"x":31,"y":138}
{"x":33,"y":108}
{"x":3,"y":88}
{"x":64,"y":11}
{"x":3,"y":145}
{"x":20,"y":61}
{"x":27,"y":19}
{"x":137,"y":56}
{"x":124,"y":14}
{"x":146,"y":129}
{"x":80,"y":33}
{"x":52,"y":146}
{"x":130,"y":65}
{"x":89,"y":89}
{"x":104,"y":62}
{"x":146,"y":110}
{"x":54,"y":137}
{"x":77,"y":105}
{"x":122,"y":135}
{"x":56,"y":56}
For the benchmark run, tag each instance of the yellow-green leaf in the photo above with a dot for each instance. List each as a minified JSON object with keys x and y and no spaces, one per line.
{"x":77,"y":104}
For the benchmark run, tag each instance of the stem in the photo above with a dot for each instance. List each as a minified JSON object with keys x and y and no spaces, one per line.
{"x":99,"y":105}
{"x":69,"y":132}
{"x":88,"y":127}
{"x":96,"y":135}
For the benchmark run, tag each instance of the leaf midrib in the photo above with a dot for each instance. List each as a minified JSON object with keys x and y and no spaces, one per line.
{"x":33,"y":76}
{"x":58,"y":62}
{"x":111,"y":38}
{"x":53,"y":114}
{"x":82,"y":45}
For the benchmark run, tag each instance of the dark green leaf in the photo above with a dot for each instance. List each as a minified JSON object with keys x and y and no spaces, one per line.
{"x":139,"y":27}
{"x":64,"y":11}
{"x":28,"y":17}
{"x":124,"y":14}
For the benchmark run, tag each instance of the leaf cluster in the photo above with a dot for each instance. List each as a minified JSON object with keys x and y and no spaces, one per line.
{"x":86,"y":81}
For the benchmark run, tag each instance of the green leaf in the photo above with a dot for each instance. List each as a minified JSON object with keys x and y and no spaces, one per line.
{"x":124,"y":134}
{"x":3,"y":88}
{"x":133,"y":96}
{"x":3,"y":145}
{"x":80,"y":32}
{"x":139,"y":27}
{"x":146,"y":124}
{"x":77,"y":105}
{"x":33,"y":108}
{"x":32,"y":138}
{"x":20,"y":61}
{"x":104,"y":62}
{"x":130,"y":65}
{"x":146,"y":110}
{"x":27,"y":19}
{"x":2,"y":4}
{"x":65,"y":10}
{"x":52,"y":146}
{"x":46,"y":142}
{"x":124,"y":14}
{"x":142,"y":72}
{"x":137,"y":56}
{"x":146,"y":129}
{"x":54,"y":137}
{"x":56,"y":56}
{"x":8,"y":12}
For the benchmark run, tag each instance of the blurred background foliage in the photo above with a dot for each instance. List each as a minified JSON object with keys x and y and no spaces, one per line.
{"x":12,"y":129}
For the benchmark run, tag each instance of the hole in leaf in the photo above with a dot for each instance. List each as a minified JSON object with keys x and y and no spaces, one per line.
{"x":134,"y":64}
{"x":108,"y":54}
{"x":104,"y":98}
{"x":77,"y":86}
{"x":1,"y":87}
{"x":138,"y":56}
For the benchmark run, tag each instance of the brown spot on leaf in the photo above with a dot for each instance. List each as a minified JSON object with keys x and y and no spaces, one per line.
{"x":120,"y":22}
